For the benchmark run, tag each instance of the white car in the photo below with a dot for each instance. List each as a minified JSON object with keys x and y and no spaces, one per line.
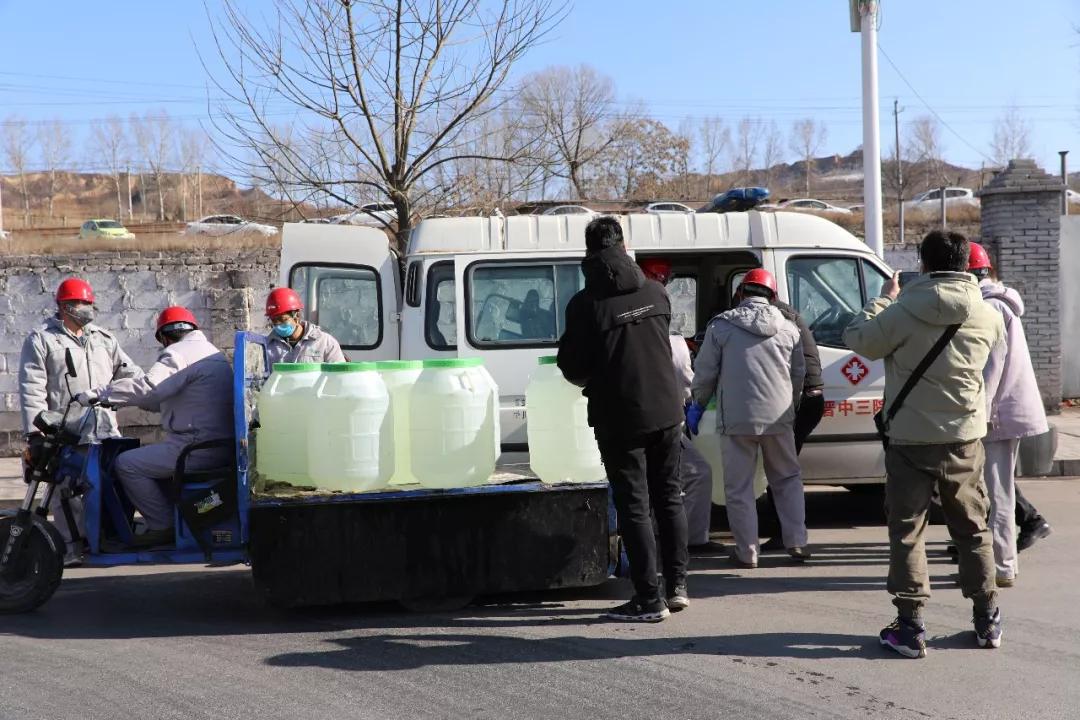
{"x":371,"y":215}
{"x":954,"y":196}
{"x":812,"y":205}
{"x":570,"y":210}
{"x":663,"y":208}
{"x":220,"y":225}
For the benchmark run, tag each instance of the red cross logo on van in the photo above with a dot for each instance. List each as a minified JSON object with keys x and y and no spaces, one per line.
{"x":855,"y":370}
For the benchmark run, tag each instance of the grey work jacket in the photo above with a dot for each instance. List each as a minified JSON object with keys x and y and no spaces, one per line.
{"x":42,"y":373}
{"x":191,"y":385}
{"x":315,"y":346}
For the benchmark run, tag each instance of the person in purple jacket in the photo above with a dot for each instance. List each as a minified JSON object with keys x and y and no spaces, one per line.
{"x":1015,"y":411}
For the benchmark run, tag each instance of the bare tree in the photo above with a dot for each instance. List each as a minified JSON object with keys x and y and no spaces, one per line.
{"x":576,"y":108}
{"x":54,"y":142}
{"x":715,"y":142}
{"x":745,"y":151}
{"x":685,"y":137}
{"x":807,"y":137}
{"x":645,"y":156}
{"x":772,"y":151}
{"x":925,"y":145}
{"x":1012,"y":137}
{"x":191,"y":151}
{"x":154,"y":134}
{"x":385,"y":90}
{"x":17,"y":147}
{"x":109,"y":146}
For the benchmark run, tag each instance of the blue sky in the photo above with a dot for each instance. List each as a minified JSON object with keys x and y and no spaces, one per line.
{"x":782,"y":60}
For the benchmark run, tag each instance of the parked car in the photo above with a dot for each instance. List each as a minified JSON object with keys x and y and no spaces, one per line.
{"x":569,"y":210}
{"x":218,"y":225}
{"x":813,"y":205}
{"x":658,"y":208}
{"x":101,"y":228}
{"x":931,"y":199}
{"x":737,"y":200}
{"x":371,"y":215}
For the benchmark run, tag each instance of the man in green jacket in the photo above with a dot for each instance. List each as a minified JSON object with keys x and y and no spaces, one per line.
{"x":935,"y":437}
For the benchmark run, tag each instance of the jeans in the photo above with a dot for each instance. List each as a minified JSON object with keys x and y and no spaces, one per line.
{"x":1001,"y":486}
{"x":912,"y":471}
{"x":644,"y":476}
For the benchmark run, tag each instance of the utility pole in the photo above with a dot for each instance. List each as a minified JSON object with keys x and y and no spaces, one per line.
{"x":864,"y":17}
{"x":1065,"y":182}
{"x":944,"y":216}
{"x":899,"y":170}
{"x":198,"y":185}
{"x":129,"y":192}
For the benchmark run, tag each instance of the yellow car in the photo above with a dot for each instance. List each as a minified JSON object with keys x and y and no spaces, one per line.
{"x":104,"y":229}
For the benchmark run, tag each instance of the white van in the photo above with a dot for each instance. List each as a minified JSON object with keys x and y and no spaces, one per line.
{"x":497,"y":288}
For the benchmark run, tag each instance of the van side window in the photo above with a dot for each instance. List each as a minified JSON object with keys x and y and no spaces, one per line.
{"x":827,"y":292}
{"x":344,"y":300}
{"x":520,"y":305}
{"x":440,"y":310}
{"x":412,"y":284}
{"x":873,"y":279}
{"x":683,"y":293}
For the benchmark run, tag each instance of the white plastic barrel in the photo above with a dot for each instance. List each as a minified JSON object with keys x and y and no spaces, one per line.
{"x":562,"y":446}
{"x":286,"y":396}
{"x":350,"y":435}
{"x":400,"y":376}
{"x":454,"y":428}
{"x":707,"y":443}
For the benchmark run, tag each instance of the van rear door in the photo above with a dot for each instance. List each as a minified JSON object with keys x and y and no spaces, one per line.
{"x":511,"y":310}
{"x":349,"y":281}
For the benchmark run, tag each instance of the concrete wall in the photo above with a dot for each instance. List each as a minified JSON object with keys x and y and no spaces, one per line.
{"x":1021,"y":229}
{"x":225,"y":290}
{"x":1070,"y":306}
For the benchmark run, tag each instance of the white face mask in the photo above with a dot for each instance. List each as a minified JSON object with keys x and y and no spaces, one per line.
{"x":81,"y":315}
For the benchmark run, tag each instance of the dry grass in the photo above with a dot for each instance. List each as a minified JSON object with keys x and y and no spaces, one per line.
{"x":28,"y":243}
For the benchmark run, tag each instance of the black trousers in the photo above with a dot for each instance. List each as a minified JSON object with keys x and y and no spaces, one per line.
{"x":1027,"y":515}
{"x":644,"y":476}
{"x":807,"y":417}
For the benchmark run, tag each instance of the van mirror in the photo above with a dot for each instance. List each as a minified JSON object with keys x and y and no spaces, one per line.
{"x":69,"y":360}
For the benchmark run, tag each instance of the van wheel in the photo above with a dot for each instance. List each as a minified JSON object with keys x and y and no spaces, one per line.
{"x":36,"y":574}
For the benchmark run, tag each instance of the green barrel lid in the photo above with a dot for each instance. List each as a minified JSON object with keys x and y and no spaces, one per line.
{"x":347,"y":367}
{"x":548,"y":360}
{"x":296,"y":367}
{"x":453,"y":363}
{"x":712,"y":405}
{"x":399,"y":365}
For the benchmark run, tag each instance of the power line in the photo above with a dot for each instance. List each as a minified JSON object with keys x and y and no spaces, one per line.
{"x":929,"y":108}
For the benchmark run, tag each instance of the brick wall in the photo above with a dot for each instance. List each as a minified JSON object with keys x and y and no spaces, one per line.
{"x":1021,"y":229}
{"x":224,"y":289}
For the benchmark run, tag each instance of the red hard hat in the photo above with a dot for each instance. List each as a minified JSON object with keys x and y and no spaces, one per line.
{"x":979,"y":258}
{"x":282,"y":300}
{"x":762,"y":277}
{"x":75,"y":289}
{"x":175,"y":314}
{"x":656,"y":269}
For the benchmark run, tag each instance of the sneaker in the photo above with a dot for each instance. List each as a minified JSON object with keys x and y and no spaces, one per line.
{"x":73,"y":559}
{"x":905,"y":637}
{"x":988,"y":629}
{"x":1004,"y":581}
{"x":953,"y":552}
{"x":638,"y":611}
{"x":799,"y":554}
{"x":708,"y":548}
{"x":1029,"y":537}
{"x":154,"y":538}
{"x":772,"y":545}
{"x":678,"y":599}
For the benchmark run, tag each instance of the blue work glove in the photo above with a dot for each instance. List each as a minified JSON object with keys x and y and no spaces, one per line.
{"x":693,"y":417}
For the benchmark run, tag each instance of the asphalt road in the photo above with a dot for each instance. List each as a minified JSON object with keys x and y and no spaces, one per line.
{"x":781,"y":641}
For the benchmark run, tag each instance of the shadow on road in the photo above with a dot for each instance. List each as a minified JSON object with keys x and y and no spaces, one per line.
{"x":380,"y":653}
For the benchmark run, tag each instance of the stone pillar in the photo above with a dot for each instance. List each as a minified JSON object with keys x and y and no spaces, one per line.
{"x":1021,"y":229}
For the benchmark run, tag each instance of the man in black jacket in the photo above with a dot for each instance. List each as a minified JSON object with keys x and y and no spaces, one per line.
{"x":616,"y":347}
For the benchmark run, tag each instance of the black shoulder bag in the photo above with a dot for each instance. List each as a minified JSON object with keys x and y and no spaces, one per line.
{"x":881,"y":418}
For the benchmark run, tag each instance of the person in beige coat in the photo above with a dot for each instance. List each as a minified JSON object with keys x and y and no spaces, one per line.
{"x":935,"y":438}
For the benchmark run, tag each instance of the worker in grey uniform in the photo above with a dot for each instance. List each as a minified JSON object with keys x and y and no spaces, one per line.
{"x":191,"y":385}
{"x":43,"y":386}
{"x":292,"y":340}
{"x":752,"y":360}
